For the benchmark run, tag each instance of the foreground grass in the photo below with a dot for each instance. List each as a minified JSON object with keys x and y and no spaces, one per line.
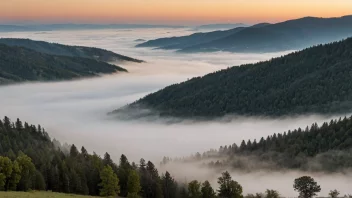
{"x":40,"y":195}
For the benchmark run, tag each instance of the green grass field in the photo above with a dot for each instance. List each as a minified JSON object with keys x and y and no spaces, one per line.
{"x":40,"y":195}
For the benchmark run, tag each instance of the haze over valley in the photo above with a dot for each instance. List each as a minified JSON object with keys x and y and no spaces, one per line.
{"x":250,"y":103}
{"x":110,"y":92}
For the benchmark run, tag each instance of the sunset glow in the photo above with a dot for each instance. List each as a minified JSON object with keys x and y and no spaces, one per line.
{"x":169,"y":11}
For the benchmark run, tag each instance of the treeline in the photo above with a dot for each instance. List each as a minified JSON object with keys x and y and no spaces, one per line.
{"x":316,"y":148}
{"x":314,"y":80}
{"x":29,"y":160}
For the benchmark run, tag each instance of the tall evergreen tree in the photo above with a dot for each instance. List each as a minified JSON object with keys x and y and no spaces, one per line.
{"x":169,"y":186}
{"x":229,"y":188}
{"x":207,"y":190}
{"x":194,"y":189}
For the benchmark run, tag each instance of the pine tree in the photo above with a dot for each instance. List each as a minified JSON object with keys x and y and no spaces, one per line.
{"x":229,"y":188}
{"x":194,"y":189}
{"x":107,"y":159}
{"x":38,"y":182}
{"x":84,"y":153}
{"x":73,"y":151}
{"x":243,"y":145}
{"x":207,"y":190}
{"x":169,"y":186}
{"x":122,"y":173}
{"x":153,"y":186}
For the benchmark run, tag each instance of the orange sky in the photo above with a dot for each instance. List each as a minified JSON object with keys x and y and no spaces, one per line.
{"x":169,"y":11}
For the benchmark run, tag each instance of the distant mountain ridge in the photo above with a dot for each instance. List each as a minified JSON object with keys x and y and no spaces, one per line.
{"x":220,"y":26}
{"x":289,"y":35}
{"x":71,"y":26}
{"x":315,"y":80}
{"x":19,"y":64}
{"x":66,"y":50}
{"x":188,"y":41}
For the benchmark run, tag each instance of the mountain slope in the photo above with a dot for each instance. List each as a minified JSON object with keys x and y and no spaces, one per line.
{"x":19,"y":64}
{"x":48,"y":165}
{"x":315,"y":80}
{"x":316,"y":148}
{"x":187,"y":41}
{"x":289,"y":35}
{"x":65,"y":50}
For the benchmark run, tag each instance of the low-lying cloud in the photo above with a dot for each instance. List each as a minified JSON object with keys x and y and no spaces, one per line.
{"x":76,"y":111}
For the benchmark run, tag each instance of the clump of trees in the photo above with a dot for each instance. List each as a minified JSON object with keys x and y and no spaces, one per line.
{"x":334,"y":193}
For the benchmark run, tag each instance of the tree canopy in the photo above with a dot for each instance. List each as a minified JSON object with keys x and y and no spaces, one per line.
{"x":109,"y":182}
{"x":314,"y":80}
{"x":306,"y":186}
{"x":18,"y":64}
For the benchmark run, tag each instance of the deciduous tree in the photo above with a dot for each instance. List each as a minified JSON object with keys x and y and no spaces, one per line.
{"x":306,"y":186}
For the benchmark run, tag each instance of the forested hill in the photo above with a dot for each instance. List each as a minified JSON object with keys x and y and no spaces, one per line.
{"x":288,"y":35}
{"x":30,"y":160}
{"x":318,"y":148}
{"x":18,"y":64}
{"x":188,"y":41}
{"x":66,"y":50}
{"x":315,"y":80}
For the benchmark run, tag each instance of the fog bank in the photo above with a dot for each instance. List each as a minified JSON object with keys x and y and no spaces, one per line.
{"x":259,"y":181}
{"x":75,"y":111}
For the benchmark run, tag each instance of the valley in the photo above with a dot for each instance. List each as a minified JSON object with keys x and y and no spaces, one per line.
{"x":76,"y":112}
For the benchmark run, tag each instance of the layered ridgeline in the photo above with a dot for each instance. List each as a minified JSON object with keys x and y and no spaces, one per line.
{"x":71,"y":26}
{"x":19,"y":64}
{"x":187,"y":41}
{"x":66,"y":50}
{"x":289,"y":35}
{"x":315,"y":80}
{"x":219,"y":26}
{"x":316,"y":148}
